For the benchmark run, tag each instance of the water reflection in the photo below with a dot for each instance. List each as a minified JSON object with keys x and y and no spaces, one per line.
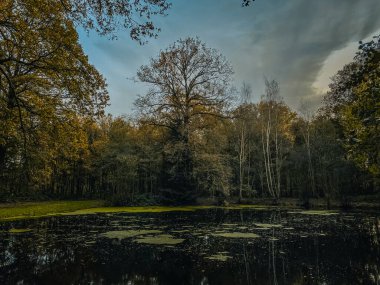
{"x":291,"y":249}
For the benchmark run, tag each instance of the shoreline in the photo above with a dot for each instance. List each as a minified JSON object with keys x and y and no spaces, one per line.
{"x":39,"y":209}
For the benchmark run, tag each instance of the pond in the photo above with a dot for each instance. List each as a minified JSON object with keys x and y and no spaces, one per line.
{"x":207,"y":246}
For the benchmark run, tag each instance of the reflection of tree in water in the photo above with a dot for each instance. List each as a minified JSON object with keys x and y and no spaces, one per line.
{"x":318,"y":257}
{"x":331,"y":250}
{"x":371,"y":228}
{"x":30,"y":260}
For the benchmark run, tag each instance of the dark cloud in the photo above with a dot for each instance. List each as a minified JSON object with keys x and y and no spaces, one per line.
{"x":297,"y":38}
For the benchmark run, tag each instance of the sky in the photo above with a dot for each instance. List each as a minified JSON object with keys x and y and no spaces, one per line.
{"x":299,"y":43}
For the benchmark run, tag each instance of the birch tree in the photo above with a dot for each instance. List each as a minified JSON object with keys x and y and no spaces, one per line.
{"x":243,"y":150}
{"x":306,"y":126}
{"x":275,"y":135}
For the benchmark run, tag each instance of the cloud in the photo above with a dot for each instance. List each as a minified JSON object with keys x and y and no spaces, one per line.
{"x":289,"y":41}
{"x":296,"y":39}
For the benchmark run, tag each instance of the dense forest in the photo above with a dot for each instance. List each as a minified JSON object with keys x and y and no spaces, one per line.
{"x":193,"y":134}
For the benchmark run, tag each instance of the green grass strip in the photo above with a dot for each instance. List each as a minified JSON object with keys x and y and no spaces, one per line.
{"x":40,"y":209}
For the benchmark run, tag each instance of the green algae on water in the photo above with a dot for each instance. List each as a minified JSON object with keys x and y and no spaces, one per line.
{"x":219,"y":257}
{"x":236,"y":235}
{"x":273,"y":239}
{"x":128,"y":234}
{"x":158,"y":209}
{"x":160,"y":240}
{"x":18,"y":231}
{"x":90,"y":207}
{"x":268,"y":225}
{"x":260,"y":229}
{"x":250,"y":207}
{"x":180,"y":231}
{"x":30,"y":210}
{"x":242,"y":228}
{"x":316,"y":212}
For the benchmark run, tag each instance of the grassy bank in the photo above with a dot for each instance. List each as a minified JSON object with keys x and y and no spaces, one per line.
{"x":28,"y":210}
{"x":63,"y":208}
{"x":39,"y":209}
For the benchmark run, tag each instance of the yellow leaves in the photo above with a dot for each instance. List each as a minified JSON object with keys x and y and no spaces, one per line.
{"x":53,"y":88}
{"x":281,"y":117}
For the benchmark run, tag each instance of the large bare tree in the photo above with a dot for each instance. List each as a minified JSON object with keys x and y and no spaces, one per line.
{"x":189,"y":84}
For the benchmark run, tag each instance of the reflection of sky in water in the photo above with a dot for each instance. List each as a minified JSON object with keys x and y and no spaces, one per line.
{"x":202,"y":247}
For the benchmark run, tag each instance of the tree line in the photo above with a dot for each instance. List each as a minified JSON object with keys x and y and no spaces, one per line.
{"x":194,"y":135}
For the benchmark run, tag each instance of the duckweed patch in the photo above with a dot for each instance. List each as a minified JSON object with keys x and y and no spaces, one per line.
{"x":316,"y":212}
{"x":273,"y":239}
{"x":252,"y":207}
{"x":236,"y":235}
{"x":89,"y":207}
{"x":19,"y":231}
{"x":180,"y":231}
{"x":219,"y":257}
{"x":156,"y":209}
{"x":160,"y":240}
{"x":268,"y":225}
{"x":128,"y":234}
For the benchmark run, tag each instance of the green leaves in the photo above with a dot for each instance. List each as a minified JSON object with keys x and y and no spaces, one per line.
{"x":355,"y":97}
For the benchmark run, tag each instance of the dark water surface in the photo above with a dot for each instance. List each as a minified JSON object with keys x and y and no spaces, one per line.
{"x":291,"y":248}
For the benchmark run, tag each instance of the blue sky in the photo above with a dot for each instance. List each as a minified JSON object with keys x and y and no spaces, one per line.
{"x":299,"y":43}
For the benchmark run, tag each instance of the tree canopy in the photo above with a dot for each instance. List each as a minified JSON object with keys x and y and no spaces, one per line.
{"x":47,"y":86}
{"x":103,"y":16}
{"x":189,"y":82}
{"x":353,"y":101}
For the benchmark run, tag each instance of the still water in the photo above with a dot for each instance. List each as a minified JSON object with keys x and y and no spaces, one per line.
{"x":213,"y":246}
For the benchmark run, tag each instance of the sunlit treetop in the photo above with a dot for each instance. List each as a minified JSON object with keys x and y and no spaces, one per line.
{"x":39,"y":45}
